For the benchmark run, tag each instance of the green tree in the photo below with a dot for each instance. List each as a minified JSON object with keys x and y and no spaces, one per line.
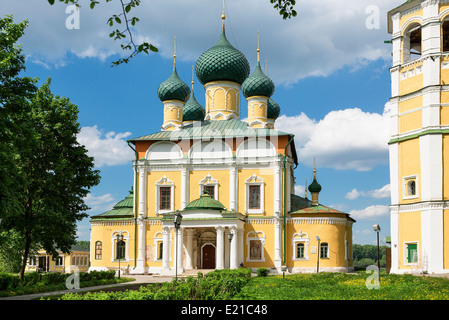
{"x":56,"y":174}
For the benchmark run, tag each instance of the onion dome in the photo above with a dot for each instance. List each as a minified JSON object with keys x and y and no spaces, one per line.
{"x":314,"y":187}
{"x":173,"y":88}
{"x":192,"y":110}
{"x":273,"y":109}
{"x":258,"y":84}
{"x":205,"y":202}
{"x":222,"y":62}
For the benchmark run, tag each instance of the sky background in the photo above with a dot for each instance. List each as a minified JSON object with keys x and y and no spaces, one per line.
{"x":330,"y":66}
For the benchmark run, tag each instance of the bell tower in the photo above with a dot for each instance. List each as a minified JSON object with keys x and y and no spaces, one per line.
{"x":419,"y":141}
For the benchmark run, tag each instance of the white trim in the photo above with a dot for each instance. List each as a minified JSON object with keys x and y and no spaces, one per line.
{"x":405,"y":251}
{"x":300,"y":238}
{"x":405,"y":181}
{"x":158,"y":238}
{"x":165,"y":182}
{"x":113,"y":243}
{"x":258,"y":181}
{"x":209,"y":181}
{"x":174,"y":154}
{"x":254,"y":235}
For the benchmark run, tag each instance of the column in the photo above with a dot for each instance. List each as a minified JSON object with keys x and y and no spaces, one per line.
{"x":178,"y":255}
{"x":166,"y":249}
{"x":277,"y":190}
{"x":142,"y":213}
{"x":220,"y":249}
{"x":189,"y":252}
{"x":234,"y":249}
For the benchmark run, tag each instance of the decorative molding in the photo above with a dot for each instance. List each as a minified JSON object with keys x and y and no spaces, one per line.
{"x":312,"y":220}
{"x":251,"y":181}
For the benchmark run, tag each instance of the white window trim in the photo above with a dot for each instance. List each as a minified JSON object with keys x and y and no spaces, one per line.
{"x":406,"y":263}
{"x":158,"y":238}
{"x":260,"y":182}
{"x":62,"y":261}
{"x":404,"y":187}
{"x":327,"y":252}
{"x":300,"y":238}
{"x":114,"y":242}
{"x":254,"y":235}
{"x":209,"y":181}
{"x":165,"y":182}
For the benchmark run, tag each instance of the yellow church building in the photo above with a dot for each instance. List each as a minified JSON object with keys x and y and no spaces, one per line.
{"x":419,"y":144}
{"x":231,"y":180}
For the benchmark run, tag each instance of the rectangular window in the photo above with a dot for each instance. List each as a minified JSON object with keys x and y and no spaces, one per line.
{"x":412,"y":253}
{"x":300,"y":250}
{"x":254,"y":197}
{"x":160,"y":250}
{"x":255,"y":250}
{"x":165,"y":198}
{"x":120,"y":251}
{"x":58,"y":261}
{"x":210,"y":190}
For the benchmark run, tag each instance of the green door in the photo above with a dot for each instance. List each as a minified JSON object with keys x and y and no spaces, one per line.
{"x":412,"y":253}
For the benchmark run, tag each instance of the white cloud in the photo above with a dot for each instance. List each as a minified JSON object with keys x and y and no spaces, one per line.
{"x":299,"y":191}
{"x":380,"y":193}
{"x":342,"y":140}
{"x":371,"y":212}
{"x":100,"y":203}
{"x":326,"y":35}
{"x":108,"y":149}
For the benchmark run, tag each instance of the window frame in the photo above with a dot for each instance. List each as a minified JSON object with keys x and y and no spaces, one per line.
{"x":255,"y":180}
{"x":326,"y":251}
{"x":407,"y":261}
{"x":164,"y":182}
{"x":406,"y":180}
{"x":98,"y":256}
{"x":251,"y":238}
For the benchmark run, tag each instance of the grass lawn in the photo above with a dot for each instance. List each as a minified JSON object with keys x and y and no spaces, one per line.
{"x":341,"y":286}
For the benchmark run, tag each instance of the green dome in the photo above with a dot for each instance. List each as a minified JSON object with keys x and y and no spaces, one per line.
{"x":205,"y":202}
{"x":222,"y":62}
{"x":173,"y":88}
{"x":314,"y":186}
{"x":192,"y":110}
{"x":273,"y":109}
{"x":258,"y":84}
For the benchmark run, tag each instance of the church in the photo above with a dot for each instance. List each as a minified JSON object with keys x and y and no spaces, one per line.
{"x":231,"y":181}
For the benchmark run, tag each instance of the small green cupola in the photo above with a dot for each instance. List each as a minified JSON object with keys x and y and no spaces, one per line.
{"x":192,"y":110}
{"x":273,"y":110}
{"x":314,"y":189}
{"x":205,"y":202}
{"x":258,"y":84}
{"x":173,"y":88}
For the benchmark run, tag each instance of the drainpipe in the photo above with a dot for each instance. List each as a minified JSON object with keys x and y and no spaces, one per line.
{"x":135,"y":207}
{"x":285,"y":196}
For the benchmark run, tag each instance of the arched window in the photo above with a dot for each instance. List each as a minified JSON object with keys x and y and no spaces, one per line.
{"x":120,"y":250}
{"x":98,"y":250}
{"x":445,"y":34}
{"x":412,"y":42}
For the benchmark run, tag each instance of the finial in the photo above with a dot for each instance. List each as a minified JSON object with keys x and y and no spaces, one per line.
{"x":258,"y":49}
{"x":174,"y":54}
{"x":266,"y":67}
{"x":192,"y":76}
{"x":305,"y":190}
{"x":223,"y":17}
{"x":314,"y":168}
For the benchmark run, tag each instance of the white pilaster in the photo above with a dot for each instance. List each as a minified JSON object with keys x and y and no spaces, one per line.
{"x":277,"y":242}
{"x":394,"y":231}
{"x":277,"y":190}
{"x":394,"y":172}
{"x":184,"y":187}
{"x":166,"y":250}
{"x":219,"y":264}
{"x":432,"y":238}
{"x":179,"y":249}
{"x":233,"y":189}
{"x":431,"y":155}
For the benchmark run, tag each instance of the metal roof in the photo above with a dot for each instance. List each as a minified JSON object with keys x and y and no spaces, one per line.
{"x":123,"y":208}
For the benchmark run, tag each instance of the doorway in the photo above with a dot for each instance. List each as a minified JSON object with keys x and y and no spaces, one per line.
{"x":208,"y":256}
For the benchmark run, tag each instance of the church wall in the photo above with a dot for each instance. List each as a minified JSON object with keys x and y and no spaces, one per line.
{"x":262,"y":229}
{"x":410,"y":104}
{"x":409,"y":166}
{"x":155,"y":177}
{"x":409,"y":232}
{"x":220,"y":178}
{"x":410,"y":121}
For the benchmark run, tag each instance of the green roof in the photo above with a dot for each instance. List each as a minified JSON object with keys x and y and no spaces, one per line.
{"x":205,"y":202}
{"x":273,"y":109}
{"x":231,"y":128}
{"x":193,"y":111}
{"x":315,"y":186}
{"x":123,"y":208}
{"x":258,"y":84}
{"x":222,"y":62}
{"x":173,"y":88}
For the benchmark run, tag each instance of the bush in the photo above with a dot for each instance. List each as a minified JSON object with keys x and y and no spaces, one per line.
{"x":262,"y":272}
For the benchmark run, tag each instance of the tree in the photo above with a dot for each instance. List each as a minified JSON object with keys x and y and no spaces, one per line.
{"x":285,"y":8}
{"x":56,"y":174}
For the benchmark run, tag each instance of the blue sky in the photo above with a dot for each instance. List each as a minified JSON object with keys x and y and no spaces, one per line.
{"x":330,"y":68}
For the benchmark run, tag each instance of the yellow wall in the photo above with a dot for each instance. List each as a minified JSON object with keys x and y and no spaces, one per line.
{"x":268,"y":176}
{"x":409,"y":164}
{"x":222,"y":176}
{"x":410,"y":104}
{"x":268,"y":231}
{"x":409,"y":231}
{"x":411,"y":84}
{"x":152,"y":178}
{"x":410,"y":121}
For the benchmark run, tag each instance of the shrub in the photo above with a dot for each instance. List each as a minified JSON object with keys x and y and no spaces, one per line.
{"x":262,"y":272}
